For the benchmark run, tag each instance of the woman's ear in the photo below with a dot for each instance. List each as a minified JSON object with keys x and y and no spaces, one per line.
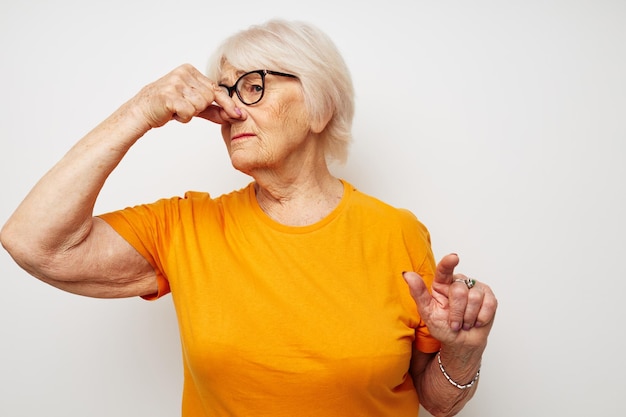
{"x":319,"y":123}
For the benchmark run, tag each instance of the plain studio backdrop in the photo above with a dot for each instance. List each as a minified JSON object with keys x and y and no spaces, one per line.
{"x":500,"y":124}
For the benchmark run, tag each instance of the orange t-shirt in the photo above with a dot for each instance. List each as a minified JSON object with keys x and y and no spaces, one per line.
{"x":288,"y":321}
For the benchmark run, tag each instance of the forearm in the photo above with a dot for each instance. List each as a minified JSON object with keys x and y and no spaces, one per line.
{"x":437,"y":394}
{"x":57,"y":213}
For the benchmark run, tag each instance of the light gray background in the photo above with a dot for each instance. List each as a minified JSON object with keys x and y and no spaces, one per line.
{"x":499,"y":123}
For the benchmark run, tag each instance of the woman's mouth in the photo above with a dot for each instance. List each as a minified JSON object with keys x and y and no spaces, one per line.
{"x":241,"y":136}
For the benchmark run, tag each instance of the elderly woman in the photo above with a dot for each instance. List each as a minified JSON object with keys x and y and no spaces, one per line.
{"x":291,"y":294}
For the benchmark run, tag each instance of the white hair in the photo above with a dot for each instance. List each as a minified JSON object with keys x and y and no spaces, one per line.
{"x":303,"y":50}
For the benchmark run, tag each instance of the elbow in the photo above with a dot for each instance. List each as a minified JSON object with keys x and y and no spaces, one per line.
{"x":21,"y":248}
{"x":8,"y":239}
{"x":11,"y":242}
{"x":15,"y":242}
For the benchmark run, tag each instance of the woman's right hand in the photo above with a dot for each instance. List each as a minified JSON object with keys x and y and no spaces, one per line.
{"x":181,"y":95}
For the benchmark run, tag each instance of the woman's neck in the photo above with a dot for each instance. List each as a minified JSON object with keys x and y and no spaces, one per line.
{"x":298,"y":199}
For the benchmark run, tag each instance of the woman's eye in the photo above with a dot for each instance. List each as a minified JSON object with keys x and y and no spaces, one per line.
{"x":253,"y":88}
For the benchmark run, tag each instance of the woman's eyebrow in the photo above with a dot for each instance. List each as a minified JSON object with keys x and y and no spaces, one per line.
{"x":238,"y":74}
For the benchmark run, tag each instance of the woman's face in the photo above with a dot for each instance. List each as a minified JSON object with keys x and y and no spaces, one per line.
{"x":275,"y":133}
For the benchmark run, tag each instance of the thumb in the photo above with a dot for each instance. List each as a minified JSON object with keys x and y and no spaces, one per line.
{"x":418,"y":290}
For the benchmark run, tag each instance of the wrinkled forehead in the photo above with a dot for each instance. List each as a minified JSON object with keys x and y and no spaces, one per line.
{"x":230,"y":63}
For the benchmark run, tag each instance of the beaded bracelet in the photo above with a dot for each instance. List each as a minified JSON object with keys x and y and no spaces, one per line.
{"x":450,"y":380}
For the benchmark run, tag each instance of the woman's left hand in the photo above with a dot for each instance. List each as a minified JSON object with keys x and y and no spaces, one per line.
{"x":454,"y":313}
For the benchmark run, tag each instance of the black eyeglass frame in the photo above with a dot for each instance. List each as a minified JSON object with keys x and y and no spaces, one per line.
{"x":233,"y":89}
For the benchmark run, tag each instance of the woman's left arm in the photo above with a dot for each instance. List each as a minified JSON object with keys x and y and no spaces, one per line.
{"x":459,"y":312}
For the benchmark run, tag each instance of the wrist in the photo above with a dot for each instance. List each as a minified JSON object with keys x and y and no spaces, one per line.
{"x":462,"y":366}
{"x":458,"y":383}
{"x":130,"y":118}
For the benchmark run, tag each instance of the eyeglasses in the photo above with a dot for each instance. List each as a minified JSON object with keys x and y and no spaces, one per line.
{"x":251,"y":85}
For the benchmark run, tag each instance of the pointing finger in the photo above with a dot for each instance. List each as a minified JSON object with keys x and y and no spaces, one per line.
{"x":217,"y":114}
{"x":223,"y":99}
{"x":445,"y":269}
{"x":217,"y":95}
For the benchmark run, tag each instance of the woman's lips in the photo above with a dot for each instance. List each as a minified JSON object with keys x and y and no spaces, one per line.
{"x":241,"y":136}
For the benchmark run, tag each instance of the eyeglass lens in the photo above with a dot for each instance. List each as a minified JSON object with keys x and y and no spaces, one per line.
{"x":250,"y":87}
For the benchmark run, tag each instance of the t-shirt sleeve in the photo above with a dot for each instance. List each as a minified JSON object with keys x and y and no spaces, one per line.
{"x":417,"y":240}
{"x":148,"y":228}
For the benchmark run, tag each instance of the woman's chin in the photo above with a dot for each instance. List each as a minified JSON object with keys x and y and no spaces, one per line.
{"x":244,"y":165}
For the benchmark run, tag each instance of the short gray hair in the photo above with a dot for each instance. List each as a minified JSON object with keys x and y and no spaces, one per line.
{"x":305,"y":51}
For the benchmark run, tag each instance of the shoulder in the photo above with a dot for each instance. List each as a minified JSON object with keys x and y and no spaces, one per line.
{"x":193,"y":206}
{"x":403,"y":217}
{"x":401,"y":223}
{"x":196,"y":201}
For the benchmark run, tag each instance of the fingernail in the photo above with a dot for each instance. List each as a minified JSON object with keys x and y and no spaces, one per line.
{"x":456,"y":326}
{"x":238,"y":111}
{"x":467,"y":326}
{"x":478,"y":324}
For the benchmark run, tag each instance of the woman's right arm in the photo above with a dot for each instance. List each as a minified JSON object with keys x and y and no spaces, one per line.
{"x":53,"y":234}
